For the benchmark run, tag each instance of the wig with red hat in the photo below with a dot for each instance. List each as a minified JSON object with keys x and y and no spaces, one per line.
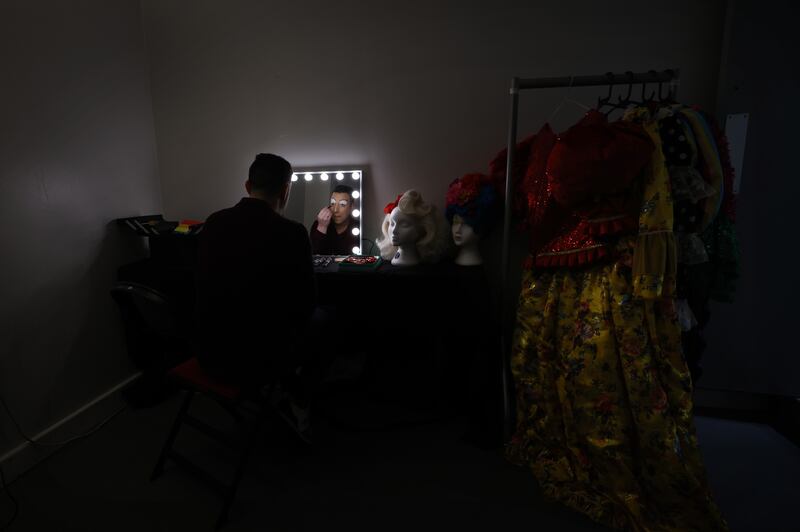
{"x":473,"y":197}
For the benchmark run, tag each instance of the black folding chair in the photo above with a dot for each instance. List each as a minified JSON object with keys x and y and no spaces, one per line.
{"x":154,"y":338}
{"x":238,"y":401}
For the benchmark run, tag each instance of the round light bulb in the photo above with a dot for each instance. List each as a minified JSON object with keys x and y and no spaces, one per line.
{"x":356,"y":194}
{"x":356,"y":175}
{"x":294,"y":177}
{"x":309,"y":177}
{"x":356,"y":250}
{"x":339,"y":176}
{"x":356,"y":213}
{"x":356,"y":231}
{"x":324,"y":177}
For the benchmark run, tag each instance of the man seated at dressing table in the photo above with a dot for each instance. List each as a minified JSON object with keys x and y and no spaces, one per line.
{"x":389,"y":316}
{"x":256,"y":293}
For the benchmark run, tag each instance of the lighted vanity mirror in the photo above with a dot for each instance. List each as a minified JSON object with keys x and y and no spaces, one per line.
{"x":327,"y":201}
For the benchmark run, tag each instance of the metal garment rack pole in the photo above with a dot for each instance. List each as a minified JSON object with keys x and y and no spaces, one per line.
{"x":518,"y":84}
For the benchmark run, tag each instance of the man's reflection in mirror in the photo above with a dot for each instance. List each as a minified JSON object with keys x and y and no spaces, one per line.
{"x":332,"y":231}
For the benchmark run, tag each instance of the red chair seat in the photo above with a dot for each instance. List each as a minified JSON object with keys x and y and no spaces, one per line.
{"x":193,"y":374}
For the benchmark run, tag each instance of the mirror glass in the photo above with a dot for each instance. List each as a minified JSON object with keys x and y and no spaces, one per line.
{"x":332,"y":197}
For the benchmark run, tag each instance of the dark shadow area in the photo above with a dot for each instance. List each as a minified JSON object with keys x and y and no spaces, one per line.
{"x":419,"y":476}
{"x":414,"y":477}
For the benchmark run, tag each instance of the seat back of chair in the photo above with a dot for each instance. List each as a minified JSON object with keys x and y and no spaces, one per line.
{"x":148,"y":304}
{"x":149,"y":320}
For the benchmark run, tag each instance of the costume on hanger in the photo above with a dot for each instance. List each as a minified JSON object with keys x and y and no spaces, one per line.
{"x":604,"y":409}
{"x":701,"y":177}
{"x":719,"y":236}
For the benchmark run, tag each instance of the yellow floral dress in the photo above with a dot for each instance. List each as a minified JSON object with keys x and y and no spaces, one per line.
{"x":604,"y":408}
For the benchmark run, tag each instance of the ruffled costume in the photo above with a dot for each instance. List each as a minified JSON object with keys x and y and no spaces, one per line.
{"x":604,"y":409}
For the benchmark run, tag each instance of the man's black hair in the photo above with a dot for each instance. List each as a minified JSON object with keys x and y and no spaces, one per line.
{"x":344,"y":189}
{"x":269,"y":173}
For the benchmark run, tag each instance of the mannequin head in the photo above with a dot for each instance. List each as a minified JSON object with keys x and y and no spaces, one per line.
{"x":467,"y":241}
{"x":404,"y":229}
{"x":471,"y":209}
{"x":473,"y":197}
{"x":463,"y":233}
{"x":410,"y":230}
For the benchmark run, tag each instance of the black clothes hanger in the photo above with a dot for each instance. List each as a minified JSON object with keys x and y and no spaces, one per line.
{"x":652,"y":97}
{"x":602,"y":102}
{"x":656,"y":97}
{"x":627,"y":99}
{"x":621,"y":103}
{"x":668,"y":98}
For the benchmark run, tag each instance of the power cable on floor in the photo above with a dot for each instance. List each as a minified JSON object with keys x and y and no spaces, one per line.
{"x":60,"y":443}
{"x":5,"y":526}
{"x":32,"y":441}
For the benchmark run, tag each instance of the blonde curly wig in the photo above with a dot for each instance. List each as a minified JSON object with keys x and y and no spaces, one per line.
{"x":429,"y":246}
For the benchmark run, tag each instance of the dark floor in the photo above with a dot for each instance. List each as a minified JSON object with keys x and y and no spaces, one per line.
{"x":421,"y":477}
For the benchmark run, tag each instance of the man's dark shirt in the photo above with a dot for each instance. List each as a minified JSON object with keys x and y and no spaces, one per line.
{"x":255,"y":288}
{"x":333,"y":243}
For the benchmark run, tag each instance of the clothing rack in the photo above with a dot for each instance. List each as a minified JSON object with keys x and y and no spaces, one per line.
{"x":609,"y":79}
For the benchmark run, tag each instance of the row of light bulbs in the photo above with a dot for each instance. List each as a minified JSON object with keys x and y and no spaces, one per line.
{"x":324,"y":176}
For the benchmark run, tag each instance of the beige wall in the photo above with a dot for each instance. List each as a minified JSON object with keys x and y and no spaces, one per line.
{"x":77,"y":149}
{"x":417,"y":91}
